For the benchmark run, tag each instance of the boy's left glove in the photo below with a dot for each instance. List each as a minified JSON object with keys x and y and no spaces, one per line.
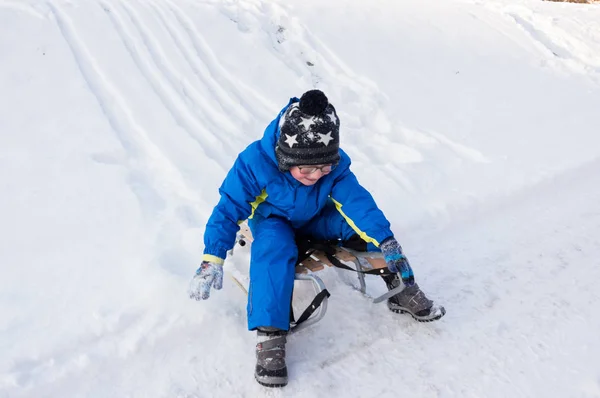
{"x":209,"y":274}
{"x":397,"y":261}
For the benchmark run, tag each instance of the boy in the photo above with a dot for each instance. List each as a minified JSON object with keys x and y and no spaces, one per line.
{"x":296,"y":181}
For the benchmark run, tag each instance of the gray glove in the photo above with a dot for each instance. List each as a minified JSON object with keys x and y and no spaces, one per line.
{"x":209,"y":274}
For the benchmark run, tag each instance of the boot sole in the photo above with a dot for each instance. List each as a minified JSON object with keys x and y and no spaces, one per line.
{"x":272,"y":385}
{"x":417,"y":318}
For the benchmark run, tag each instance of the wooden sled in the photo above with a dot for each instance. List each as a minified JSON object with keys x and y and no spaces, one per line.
{"x":316,"y":260}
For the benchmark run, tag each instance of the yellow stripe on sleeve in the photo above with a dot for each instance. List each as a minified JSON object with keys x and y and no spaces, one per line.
{"x":360,"y":233}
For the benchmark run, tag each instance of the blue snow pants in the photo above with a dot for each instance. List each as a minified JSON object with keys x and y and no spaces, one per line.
{"x":272,"y":264}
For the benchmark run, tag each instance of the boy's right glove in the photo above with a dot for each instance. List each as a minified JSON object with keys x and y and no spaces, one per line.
{"x":209,"y":274}
{"x":396,"y":260}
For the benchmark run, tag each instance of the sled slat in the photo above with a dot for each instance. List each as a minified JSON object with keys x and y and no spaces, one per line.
{"x":312,"y":264}
{"x":322,"y":258}
{"x":377,"y":262}
{"x":301,"y":270}
{"x":344,"y":255}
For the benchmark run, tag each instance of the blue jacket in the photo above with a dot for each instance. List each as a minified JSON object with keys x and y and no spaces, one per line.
{"x":256,"y":185}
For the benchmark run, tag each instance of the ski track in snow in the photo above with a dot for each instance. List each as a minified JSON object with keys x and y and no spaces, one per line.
{"x":228,"y":86}
{"x":578,"y":56}
{"x":560,"y":46}
{"x":163,"y":80}
{"x":177,"y":94}
{"x":206,"y":74}
{"x":147,"y":161}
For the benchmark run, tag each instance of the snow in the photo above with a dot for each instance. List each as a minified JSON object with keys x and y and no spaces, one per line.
{"x":474,"y":124}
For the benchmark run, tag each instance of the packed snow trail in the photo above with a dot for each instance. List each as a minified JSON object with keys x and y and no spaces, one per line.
{"x":474,"y":124}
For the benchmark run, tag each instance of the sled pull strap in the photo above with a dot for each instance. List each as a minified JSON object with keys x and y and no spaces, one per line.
{"x":316,"y":303}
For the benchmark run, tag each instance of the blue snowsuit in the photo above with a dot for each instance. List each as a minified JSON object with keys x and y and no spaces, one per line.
{"x":278,"y":207}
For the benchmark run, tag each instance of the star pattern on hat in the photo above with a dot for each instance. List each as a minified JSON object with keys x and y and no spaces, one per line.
{"x":325,"y":138}
{"x":291,"y":140}
{"x":290,"y":111}
{"x":307,"y":122}
{"x":332,"y":117}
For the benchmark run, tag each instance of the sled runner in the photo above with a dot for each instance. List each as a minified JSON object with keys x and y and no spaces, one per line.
{"x":314,"y":256}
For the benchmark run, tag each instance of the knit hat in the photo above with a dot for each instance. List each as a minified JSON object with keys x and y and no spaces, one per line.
{"x":309,"y":133}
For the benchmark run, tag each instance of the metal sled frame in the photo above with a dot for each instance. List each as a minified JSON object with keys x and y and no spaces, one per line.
{"x":306,"y":269}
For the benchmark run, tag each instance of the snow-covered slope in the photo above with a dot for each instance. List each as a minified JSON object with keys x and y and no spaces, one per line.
{"x":474,"y":123}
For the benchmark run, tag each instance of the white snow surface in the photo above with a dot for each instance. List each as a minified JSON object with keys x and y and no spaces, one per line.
{"x":475,"y":124}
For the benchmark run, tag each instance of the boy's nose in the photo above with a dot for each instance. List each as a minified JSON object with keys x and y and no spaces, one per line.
{"x":316,"y":174}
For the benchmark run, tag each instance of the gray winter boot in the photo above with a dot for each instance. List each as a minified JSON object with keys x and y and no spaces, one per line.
{"x":413,"y":301}
{"x":271,"y":370}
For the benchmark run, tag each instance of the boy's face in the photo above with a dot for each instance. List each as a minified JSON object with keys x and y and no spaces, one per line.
{"x":309,"y":175}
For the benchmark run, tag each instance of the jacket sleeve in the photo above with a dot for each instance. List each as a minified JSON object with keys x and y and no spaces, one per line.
{"x":238,"y":191}
{"x":359,"y":209}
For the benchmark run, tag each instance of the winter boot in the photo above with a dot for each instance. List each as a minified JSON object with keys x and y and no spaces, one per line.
{"x":271,"y":370}
{"x":413,"y":301}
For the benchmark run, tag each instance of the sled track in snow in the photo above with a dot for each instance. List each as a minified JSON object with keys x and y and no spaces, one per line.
{"x":204,"y":65}
{"x":563,"y":48}
{"x":163,"y":79}
{"x":213,"y":125}
{"x":146,"y":161}
{"x":234,"y":95}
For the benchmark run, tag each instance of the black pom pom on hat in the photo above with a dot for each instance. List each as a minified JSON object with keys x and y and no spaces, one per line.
{"x":313,"y":102}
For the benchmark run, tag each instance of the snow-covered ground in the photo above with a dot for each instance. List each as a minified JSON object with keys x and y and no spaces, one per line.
{"x":474,"y":123}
